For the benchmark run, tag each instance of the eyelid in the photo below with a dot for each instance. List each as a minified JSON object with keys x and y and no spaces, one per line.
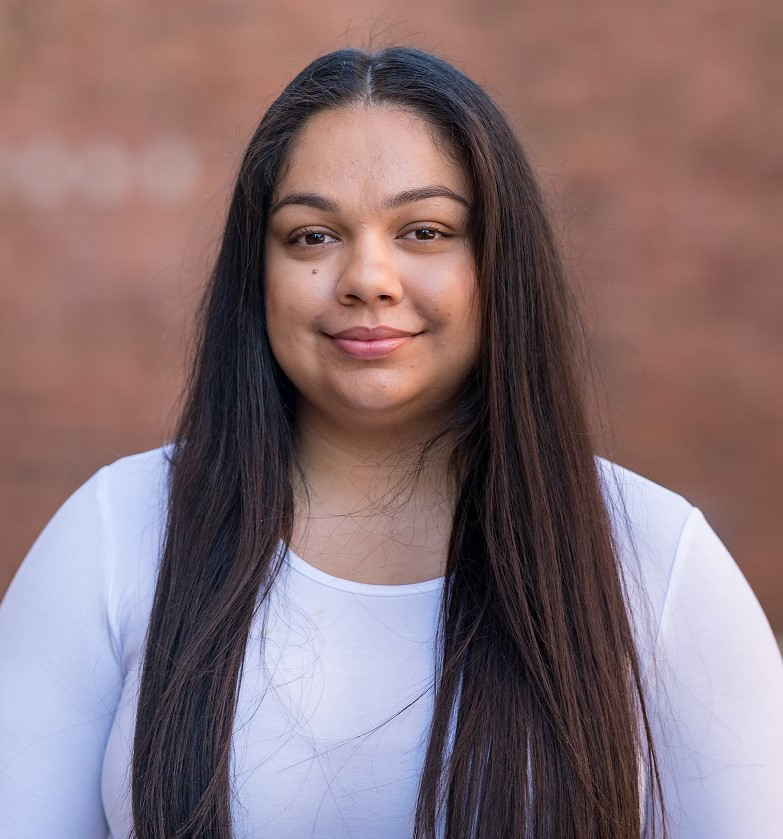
{"x":303,"y":231}
{"x":437,"y":228}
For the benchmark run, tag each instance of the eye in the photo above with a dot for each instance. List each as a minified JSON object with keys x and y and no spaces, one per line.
{"x":310,"y":238}
{"x":426,"y":233}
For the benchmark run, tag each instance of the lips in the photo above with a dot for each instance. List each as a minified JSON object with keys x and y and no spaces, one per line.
{"x":369,"y":343}
{"x":374,"y":333}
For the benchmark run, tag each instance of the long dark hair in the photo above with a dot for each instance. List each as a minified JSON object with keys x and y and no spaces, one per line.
{"x":538,"y":675}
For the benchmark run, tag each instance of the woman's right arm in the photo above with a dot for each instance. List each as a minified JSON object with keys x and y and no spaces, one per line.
{"x":60,"y":675}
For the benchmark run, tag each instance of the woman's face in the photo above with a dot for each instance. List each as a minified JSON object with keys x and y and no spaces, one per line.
{"x":371,"y":294}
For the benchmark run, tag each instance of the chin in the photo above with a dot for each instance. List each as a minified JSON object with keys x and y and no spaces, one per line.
{"x":374,"y":401}
{"x":374,"y":413}
{"x":375,"y":410}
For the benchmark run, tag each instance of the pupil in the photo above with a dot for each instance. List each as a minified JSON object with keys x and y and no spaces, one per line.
{"x":426,"y":232}
{"x":311,"y":239}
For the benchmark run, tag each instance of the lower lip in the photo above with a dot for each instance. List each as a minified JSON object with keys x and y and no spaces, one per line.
{"x":372,"y":349}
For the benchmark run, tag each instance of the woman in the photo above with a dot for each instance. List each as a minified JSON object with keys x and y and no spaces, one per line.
{"x":379,"y":585}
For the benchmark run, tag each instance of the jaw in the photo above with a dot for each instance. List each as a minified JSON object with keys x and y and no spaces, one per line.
{"x":371,"y":412}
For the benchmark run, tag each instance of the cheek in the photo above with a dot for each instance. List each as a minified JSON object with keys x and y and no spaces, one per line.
{"x":290,"y":301}
{"x":280,"y":308}
{"x":276,"y":322}
{"x":462,"y":332}
{"x":452,"y":304}
{"x":283,"y":322}
{"x":450,"y":284}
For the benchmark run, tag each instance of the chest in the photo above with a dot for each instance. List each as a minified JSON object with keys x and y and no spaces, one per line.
{"x":381,"y":550}
{"x":333,"y":712}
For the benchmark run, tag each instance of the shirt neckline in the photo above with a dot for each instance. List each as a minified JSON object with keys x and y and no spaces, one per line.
{"x":373,"y":589}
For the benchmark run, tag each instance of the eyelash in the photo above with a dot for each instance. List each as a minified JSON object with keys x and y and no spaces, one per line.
{"x":297,"y":234}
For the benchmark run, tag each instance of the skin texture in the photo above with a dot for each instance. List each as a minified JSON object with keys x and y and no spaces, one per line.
{"x":360,"y":262}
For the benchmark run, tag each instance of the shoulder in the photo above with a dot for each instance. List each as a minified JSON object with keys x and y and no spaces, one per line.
{"x":99,"y":553}
{"x":643,"y":513}
{"x":94,"y":563}
{"x":139,"y":475}
{"x":135,"y":507}
{"x":136,"y":488}
{"x":129,"y":497}
{"x":677,"y":573}
{"x":72,"y":627}
{"x":655,"y":530}
{"x":710,"y":664}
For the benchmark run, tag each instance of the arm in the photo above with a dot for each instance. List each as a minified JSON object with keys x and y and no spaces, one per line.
{"x":60,"y":675}
{"x":718,"y":701}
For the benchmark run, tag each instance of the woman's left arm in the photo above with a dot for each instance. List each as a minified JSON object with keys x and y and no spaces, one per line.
{"x":718,"y":698}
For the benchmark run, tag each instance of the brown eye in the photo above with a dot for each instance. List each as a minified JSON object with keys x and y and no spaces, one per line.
{"x":310,"y":238}
{"x":427,"y":234}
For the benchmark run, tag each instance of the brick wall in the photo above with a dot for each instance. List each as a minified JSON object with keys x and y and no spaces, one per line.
{"x":656,"y":133}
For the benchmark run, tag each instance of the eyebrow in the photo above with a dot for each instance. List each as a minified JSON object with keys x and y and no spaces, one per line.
{"x":321,"y":202}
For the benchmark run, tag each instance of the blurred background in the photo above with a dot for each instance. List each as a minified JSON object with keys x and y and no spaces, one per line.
{"x":657,"y":133}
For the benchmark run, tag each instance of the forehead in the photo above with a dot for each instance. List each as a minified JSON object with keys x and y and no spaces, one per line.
{"x":361,"y":153}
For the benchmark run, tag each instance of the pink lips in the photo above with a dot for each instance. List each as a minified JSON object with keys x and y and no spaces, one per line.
{"x":371,"y":342}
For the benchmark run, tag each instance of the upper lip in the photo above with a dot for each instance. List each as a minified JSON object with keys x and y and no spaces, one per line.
{"x":375,"y":333}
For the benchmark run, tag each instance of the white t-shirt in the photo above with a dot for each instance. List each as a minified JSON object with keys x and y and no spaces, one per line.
{"x":332,"y":720}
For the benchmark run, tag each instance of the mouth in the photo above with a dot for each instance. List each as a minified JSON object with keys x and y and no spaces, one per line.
{"x":371,"y":342}
{"x":372,"y":333}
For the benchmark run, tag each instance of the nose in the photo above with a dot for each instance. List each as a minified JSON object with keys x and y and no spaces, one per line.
{"x":370,"y":272}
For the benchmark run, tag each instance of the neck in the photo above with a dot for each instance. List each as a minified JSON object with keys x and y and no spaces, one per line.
{"x":370,"y":507}
{"x":369,"y":464}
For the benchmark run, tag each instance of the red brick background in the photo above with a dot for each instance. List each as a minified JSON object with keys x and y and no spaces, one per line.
{"x":657,"y":132}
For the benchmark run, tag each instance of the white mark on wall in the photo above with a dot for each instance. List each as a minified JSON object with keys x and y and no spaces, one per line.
{"x":104,"y":173}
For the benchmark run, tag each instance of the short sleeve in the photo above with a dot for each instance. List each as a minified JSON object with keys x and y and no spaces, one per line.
{"x":60,"y":676}
{"x":718,"y":698}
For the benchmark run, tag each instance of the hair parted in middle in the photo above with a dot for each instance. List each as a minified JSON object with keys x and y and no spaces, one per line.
{"x":539,"y":721}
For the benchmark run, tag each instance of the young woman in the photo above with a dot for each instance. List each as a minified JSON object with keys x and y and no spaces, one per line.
{"x":379,"y":585}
